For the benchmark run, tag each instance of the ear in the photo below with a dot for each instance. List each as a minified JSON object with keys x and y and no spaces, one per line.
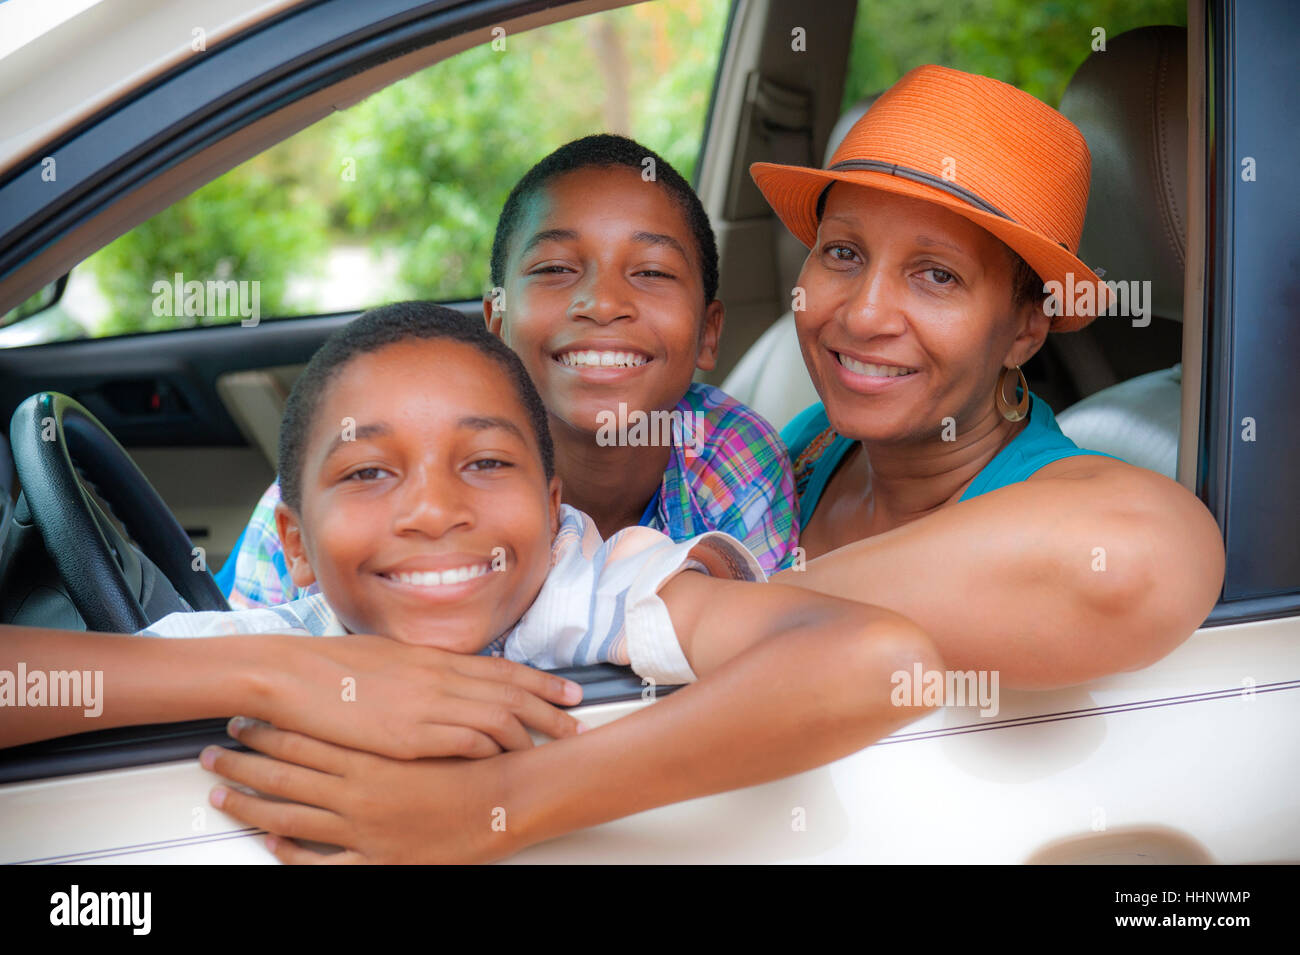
{"x":710,"y":335}
{"x":554,"y":503}
{"x":1032,"y":324}
{"x":289,"y":527}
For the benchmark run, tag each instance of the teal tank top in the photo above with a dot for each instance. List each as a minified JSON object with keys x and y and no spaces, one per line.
{"x":817,"y":451}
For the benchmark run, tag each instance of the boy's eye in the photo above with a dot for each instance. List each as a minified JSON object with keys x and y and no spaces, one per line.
{"x":366,"y":474}
{"x":656,"y":274}
{"x":488,"y":464}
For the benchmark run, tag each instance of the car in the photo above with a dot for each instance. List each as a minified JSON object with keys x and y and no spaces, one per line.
{"x":171,"y":428}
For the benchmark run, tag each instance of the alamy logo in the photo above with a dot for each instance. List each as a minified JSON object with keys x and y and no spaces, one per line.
{"x":83,"y":688}
{"x":1085,"y":297}
{"x":211,"y":299}
{"x":642,"y":429}
{"x":75,"y":907}
{"x":946,"y":688}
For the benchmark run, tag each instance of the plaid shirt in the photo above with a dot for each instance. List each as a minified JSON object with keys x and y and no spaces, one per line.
{"x":740,"y":483}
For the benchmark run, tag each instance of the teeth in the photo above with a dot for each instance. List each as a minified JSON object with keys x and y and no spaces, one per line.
{"x":875,"y":371}
{"x":433,"y":578}
{"x":601,"y":359}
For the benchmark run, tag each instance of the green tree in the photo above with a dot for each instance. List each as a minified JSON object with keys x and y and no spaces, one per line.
{"x":252,"y":224}
{"x":419,"y":171}
{"x":1036,"y":46}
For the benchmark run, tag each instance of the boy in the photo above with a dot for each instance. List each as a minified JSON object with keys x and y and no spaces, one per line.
{"x":605,"y":282}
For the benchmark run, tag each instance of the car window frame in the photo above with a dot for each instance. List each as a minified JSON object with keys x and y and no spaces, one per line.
{"x":1242,"y":328}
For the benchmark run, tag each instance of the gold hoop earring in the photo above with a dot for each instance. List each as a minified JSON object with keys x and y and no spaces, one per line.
{"x":1009,"y":411}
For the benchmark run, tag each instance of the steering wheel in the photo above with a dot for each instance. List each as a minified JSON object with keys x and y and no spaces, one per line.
{"x":51,"y":437}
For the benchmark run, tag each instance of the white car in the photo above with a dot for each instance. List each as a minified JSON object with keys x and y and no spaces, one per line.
{"x":1193,"y":759}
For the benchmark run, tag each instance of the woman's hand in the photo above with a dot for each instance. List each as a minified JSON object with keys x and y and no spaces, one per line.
{"x":383,"y":810}
{"x":372,"y":693}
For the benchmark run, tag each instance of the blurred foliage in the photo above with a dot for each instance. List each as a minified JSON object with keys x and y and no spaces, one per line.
{"x":256,"y":223}
{"x":419,"y":171}
{"x":1033,"y":44}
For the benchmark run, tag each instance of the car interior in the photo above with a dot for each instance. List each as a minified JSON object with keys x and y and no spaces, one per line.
{"x":198,"y":414}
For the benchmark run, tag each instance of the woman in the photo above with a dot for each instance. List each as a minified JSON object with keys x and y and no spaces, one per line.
{"x":930,"y":485}
{"x":943,"y":216}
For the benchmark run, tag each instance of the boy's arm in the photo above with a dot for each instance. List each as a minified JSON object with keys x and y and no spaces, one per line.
{"x":792,"y":684}
{"x":360,"y":690}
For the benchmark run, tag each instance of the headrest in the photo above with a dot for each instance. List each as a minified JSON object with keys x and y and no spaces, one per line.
{"x":1130,"y":103}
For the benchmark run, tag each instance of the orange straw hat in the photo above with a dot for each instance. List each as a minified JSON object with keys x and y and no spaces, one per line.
{"x":991,"y":153}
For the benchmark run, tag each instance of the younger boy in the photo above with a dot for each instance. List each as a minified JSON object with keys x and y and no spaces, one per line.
{"x":420,"y":495}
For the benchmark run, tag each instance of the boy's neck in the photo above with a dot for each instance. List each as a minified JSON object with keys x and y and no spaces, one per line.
{"x":611,"y":484}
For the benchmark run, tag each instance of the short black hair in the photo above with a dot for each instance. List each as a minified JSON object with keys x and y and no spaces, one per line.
{"x":379,"y":328}
{"x":1026,"y":284}
{"x":601,"y":152}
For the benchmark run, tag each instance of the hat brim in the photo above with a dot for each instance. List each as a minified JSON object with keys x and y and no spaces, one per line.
{"x":792,"y":193}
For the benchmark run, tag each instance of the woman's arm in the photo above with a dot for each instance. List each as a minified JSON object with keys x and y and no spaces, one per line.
{"x":776,"y":701}
{"x":1088,"y":568}
{"x":358,"y":690}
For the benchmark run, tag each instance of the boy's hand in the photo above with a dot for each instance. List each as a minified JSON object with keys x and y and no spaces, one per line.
{"x":371,"y":693}
{"x":378,"y":810}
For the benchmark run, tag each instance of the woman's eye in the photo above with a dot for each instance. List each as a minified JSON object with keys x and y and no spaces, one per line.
{"x":550,"y":270}
{"x":366,"y":474}
{"x":841,"y":253}
{"x":941,"y":276}
{"x":656,"y":274}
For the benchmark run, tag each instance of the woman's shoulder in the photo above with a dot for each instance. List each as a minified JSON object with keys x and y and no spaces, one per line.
{"x":1044,"y":437}
{"x":1040,"y":450}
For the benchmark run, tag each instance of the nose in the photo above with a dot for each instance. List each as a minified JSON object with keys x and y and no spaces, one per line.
{"x":872,"y":307}
{"x":601,"y":296}
{"x":432,"y":502}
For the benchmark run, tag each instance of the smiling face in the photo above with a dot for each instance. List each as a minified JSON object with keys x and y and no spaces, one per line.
{"x":604,"y":297}
{"x":432,"y":524}
{"x":909,"y":316}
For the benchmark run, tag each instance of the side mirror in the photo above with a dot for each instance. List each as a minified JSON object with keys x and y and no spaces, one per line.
{"x":47,"y":296}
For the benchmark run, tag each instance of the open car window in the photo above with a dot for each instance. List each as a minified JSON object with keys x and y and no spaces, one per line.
{"x":397,"y":197}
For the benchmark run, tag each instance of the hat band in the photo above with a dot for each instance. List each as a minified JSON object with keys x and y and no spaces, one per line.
{"x":916,"y":175}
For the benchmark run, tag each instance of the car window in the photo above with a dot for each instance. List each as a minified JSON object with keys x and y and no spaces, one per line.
{"x":397,"y":196}
{"x":1030,"y":44}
